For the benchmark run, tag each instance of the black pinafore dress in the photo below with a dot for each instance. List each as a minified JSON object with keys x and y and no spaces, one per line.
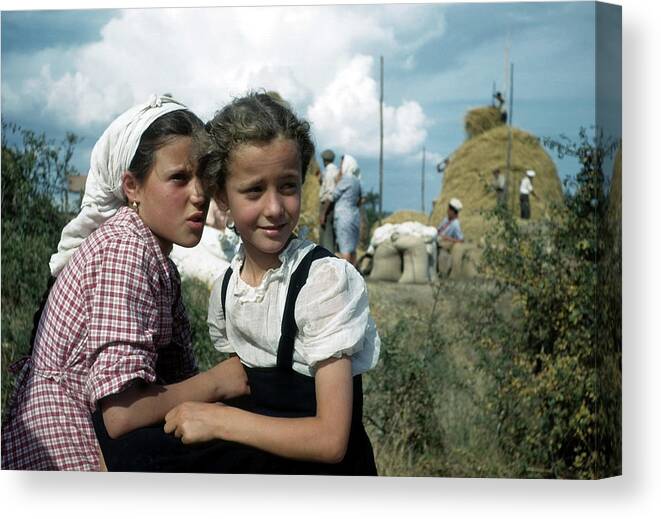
{"x":282,"y":392}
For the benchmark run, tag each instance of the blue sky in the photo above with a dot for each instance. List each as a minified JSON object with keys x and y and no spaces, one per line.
{"x":75,"y":70}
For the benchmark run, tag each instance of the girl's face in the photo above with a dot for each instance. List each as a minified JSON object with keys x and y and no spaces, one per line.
{"x":263,"y":194}
{"x":171,"y":201}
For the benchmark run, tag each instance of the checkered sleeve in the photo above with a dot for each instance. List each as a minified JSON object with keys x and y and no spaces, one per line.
{"x":123,"y":318}
{"x":176,"y":361}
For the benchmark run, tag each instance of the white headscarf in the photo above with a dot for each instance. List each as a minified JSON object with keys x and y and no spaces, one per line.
{"x":111,"y":157}
{"x":350,"y":166}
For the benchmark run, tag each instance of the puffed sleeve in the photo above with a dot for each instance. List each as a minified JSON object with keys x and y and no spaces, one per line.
{"x":123,"y":318}
{"x":216,"y":319}
{"x":332,"y":313}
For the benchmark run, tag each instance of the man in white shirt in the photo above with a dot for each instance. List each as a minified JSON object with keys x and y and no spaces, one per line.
{"x":450,"y":228}
{"x":525,"y":190}
{"x":328,"y":181}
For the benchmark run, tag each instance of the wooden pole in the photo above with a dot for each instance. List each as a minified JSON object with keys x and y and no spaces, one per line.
{"x":509,"y":179}
{"x":422,"y":197}
{"x":381,"y":147}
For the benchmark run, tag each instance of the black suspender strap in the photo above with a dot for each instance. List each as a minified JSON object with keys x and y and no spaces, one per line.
{"x":223,"y":291}
{"x":289,"y":329}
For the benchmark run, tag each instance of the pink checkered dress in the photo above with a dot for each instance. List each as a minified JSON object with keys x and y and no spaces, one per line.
{"x":114,"y":315}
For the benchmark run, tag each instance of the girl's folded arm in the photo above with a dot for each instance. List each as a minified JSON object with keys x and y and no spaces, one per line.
{"x":145,"y":404}
{"x":323,"y":437}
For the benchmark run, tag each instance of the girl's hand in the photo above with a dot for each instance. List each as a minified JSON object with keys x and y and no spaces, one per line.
{"x":195,"y":422}
{"x":229,"y":379}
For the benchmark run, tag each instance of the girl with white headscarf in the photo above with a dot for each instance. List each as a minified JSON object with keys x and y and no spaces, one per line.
{"x":347,"y":197}
{"x":113,"y":337}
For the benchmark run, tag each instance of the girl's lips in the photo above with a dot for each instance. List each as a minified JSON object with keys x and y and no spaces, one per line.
{"x":196,"y":221}
{"x":273,"y":230}
{"x":196,"y":225}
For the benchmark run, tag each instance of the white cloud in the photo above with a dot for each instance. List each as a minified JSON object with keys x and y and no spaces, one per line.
{"x":346,"y":115}
{"x":431,"y":159}
{"x":312,"y":55}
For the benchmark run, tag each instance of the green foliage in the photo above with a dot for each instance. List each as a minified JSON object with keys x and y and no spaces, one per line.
{"x":400,"y":401}
{"x":557,"y":417}
{"x":34,"y":174}
{"x":196,"y":299}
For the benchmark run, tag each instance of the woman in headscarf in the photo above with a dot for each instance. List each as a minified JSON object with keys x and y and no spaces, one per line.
{"x":347,"y":197}
{"x":113,"y":335}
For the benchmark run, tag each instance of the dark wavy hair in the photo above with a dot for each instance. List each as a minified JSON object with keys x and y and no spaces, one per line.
{"x":258,"y":117}
{"x":179,"y":123}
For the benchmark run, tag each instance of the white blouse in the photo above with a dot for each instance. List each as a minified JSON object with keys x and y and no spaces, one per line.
{"x":332,"y":314}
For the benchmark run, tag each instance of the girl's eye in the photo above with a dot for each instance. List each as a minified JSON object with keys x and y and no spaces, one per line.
{"x":253,"y":191}
{"x":180,"y":177}
{"x":290,"y":187}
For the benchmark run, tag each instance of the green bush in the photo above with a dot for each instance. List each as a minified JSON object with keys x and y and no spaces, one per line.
{"x":34,"y":173}
{"x":400,"y":403}
{"x":196,"y":298}
{"x":557,"y":416}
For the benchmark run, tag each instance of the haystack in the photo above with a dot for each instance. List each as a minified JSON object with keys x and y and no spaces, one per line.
{"x":407,"y":216}
{"x":480,"y":120}
{"x":308,"y":222}
{"x":469,"y":177}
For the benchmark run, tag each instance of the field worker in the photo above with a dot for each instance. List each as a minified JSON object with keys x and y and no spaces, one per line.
{"x":450,"y":230}
{"x":499,"y":186}
{"x":348,"y":197}
{"x":525,"y":190}
{"x":326,"y":211}
{"x":500,"y":104}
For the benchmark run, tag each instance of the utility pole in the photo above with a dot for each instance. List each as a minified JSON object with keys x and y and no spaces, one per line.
{"x":381,"y":147}
{"x":422,"y":200}
{"x":509,"y":179}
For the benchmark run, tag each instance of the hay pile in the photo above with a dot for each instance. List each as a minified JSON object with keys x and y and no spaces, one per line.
{"x":469,"y":176}
{"x":309,"y":218}
{"x":407,"y":216}
{"x":480,"y":120}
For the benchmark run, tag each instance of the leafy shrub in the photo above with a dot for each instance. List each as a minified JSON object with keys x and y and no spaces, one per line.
{"x":34,"y":174}
{"x":196,"y":298}
{"x":400,"y":401}
{"x":557,"y":417}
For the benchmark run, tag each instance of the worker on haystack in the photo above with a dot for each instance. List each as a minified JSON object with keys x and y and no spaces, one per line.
{"x":499,"y":187}
{"x":500,"y":104}
{"x":525,"y":190}
{"x":441,"y":166}
{"x":328,"y":181}
{"x":449,"y":232}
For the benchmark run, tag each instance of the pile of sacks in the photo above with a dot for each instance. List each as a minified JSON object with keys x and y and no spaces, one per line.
{"x":408,"y":253}
{"x":209,"y":258}
{"x":458,"y":260}
{"x":404,"y":252}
